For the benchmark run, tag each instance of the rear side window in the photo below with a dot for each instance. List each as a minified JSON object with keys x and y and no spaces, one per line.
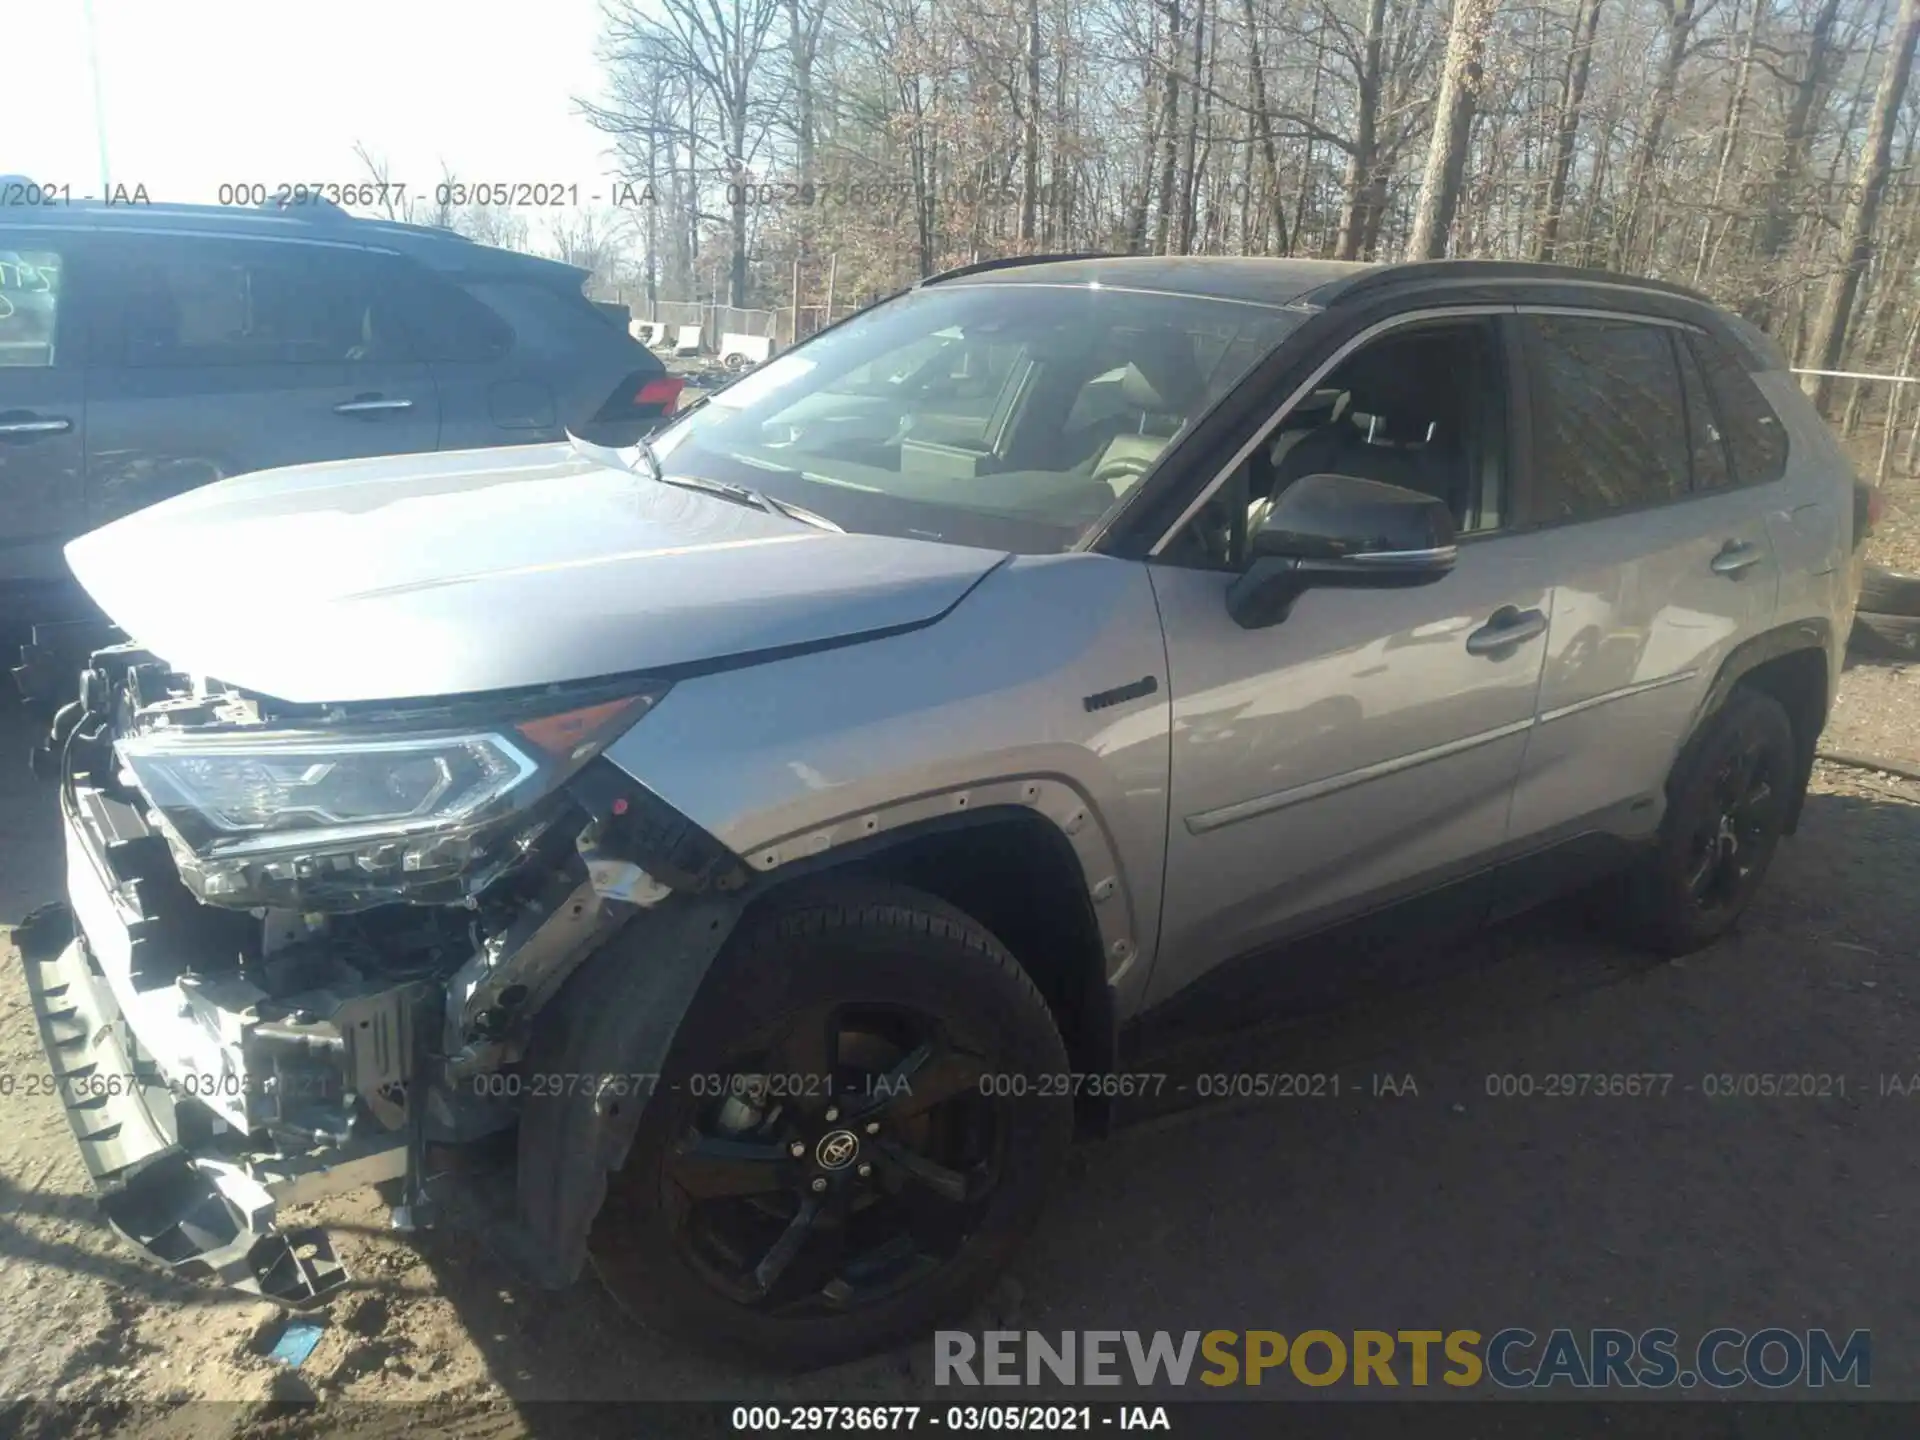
{"x":1756,"y":440}
{"x":180,"y":302}
{"x":29,"y":306}
{"x":1609,"y":429}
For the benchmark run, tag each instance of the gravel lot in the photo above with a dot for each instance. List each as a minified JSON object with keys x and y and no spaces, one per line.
{"x":1444,"y":1209}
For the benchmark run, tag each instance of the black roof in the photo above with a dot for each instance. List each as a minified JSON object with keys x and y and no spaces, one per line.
{"x":1281,"y":281}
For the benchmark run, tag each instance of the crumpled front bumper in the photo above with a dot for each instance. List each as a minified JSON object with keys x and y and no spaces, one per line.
{"x":177,"y":1177}
{"x":199,"y":1217}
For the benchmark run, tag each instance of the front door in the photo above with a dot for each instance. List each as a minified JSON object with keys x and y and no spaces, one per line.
{"x":1367,"y":745}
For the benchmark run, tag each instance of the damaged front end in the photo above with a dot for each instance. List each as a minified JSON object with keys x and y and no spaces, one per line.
{"x":303,"y":944}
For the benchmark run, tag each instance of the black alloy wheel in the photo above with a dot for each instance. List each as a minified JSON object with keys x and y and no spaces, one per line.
{"x":846,"y":1163}
{"x":841,"y":1151}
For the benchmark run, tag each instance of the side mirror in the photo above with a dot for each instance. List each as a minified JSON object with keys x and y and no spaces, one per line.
{"x":1342,"y":531}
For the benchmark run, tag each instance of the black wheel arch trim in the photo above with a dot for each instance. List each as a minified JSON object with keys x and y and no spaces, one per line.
{"x":1814,"y":634}
{"x":618,"y":1016}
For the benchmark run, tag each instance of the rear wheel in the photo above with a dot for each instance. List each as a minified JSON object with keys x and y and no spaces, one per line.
{"x":1726,"y":810}
{"x":839,"y":1154}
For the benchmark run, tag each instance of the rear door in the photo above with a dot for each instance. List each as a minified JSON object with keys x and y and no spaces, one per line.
{"x":1661,"y":566}
{"x":42,"y":405}
{"x":215,"y":356}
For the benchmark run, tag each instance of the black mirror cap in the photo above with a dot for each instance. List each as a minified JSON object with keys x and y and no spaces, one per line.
{"x":1345,"y":532}
{"x":1343,"y":517}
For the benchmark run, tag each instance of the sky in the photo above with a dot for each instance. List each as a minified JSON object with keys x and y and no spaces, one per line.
{"x":195,"y":94}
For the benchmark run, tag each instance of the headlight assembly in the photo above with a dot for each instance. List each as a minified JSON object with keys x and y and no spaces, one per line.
{"x":340,"y":816}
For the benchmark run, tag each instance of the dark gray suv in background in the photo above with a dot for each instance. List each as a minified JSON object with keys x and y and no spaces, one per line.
{"x":149,"y":349}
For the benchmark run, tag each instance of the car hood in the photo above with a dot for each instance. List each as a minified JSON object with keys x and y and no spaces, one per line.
{"x":460,"y":572}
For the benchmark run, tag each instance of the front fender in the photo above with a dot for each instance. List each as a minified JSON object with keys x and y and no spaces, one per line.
{"x":1045,"y":690}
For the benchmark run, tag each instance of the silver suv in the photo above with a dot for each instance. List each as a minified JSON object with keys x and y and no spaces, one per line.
{"x":773,"y":837}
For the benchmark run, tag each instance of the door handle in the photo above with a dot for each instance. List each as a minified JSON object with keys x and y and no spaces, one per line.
{"x":370,"y":405}
{"x":1506,"y":627}
{"x":1735,"y":556}
{"x":59,"y":425}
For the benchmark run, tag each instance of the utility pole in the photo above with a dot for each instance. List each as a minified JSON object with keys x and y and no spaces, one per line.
{"x":99,"y":107}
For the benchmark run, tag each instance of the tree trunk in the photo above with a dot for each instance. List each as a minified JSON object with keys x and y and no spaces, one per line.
{"x":1189,"y":145}
{"x":1170,"y":119}
{"x":1030,"y":179}
{"x":1363,"y":194}
{"x":1681,"y":15}
{"x":1566,"y":135}
{"x":1452,"y":118}
{"x":1829,"y":333}
{"x":1269,"y":152}
{"x":1770,"y":240}
{"x":737,"y":273}
{"x":1736,"y":115}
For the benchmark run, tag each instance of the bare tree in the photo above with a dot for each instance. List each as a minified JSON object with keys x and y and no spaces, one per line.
{"x":1825,"y":342}
{"x":1453,"y":116}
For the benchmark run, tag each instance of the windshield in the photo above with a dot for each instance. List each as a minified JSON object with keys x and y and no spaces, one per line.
{"x":1009,"y":416}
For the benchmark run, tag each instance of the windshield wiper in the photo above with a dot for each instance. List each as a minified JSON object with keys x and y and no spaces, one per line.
{"x":744,"y":495}
{"x":723,"y":489}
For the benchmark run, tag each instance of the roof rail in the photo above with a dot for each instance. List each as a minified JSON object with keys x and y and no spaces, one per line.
{"x":1523,"y":270}
{"x":1007,"y":262}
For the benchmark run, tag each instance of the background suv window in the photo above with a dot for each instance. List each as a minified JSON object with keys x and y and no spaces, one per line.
{"x":1609,"y":429}
{"x":29,"y":306}
{"x":190,"y":303}
{"x":447,"y":324}
{"x":1755,"y":437}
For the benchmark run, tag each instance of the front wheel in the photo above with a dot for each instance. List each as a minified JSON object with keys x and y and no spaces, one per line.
{"x":1727,"y":805}
{"x":852,"y":1135}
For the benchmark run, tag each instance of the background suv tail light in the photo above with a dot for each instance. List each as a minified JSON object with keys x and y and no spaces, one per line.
{"x":644,"y":396}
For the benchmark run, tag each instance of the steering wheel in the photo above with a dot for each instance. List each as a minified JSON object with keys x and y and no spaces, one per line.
{"x":1122,"y":472}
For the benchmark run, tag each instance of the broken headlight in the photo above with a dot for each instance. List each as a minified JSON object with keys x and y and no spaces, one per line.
{"x":421,"y":807}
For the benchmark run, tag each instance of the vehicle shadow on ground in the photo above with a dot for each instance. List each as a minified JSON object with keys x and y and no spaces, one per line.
{"x":1443,"y":1186}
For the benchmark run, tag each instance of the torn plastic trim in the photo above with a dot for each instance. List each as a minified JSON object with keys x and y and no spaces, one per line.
{"x":634,"y":829}
{"x":198,"y":1217}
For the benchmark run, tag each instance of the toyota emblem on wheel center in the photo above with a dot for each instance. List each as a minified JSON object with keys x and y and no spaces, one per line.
{"x":836,"y":1149}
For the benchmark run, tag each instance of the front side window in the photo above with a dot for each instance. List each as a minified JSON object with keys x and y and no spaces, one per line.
{"x":1609,"y":429}
{"x":179,"y":302}
{"x":1009,"y":415}
{"x":29,"y":306}
{"x":1422,"y":408}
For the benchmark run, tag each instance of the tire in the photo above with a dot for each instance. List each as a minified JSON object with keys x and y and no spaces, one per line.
{"x":1889,"y":592}
{"x":1888,"y":636}
{"x":1720,"y":832}
{"x":876,"y":960}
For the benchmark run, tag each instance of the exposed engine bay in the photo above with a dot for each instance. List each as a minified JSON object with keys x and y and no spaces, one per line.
{"x":305,"y":943}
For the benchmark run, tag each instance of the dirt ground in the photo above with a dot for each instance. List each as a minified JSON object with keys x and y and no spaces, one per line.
{"x":1445,"y":1208}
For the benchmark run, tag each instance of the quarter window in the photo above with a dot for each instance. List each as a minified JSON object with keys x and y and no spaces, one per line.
{"x":29,"y":306}
{"x":1706,"y":443}
{"x":1756,"y":440}
{"x":1609,"y":429}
